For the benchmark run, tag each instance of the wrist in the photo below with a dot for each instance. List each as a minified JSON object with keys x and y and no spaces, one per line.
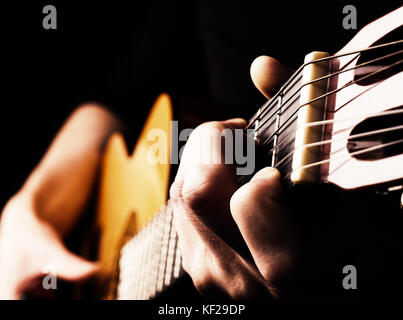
{"x":20,"y":205}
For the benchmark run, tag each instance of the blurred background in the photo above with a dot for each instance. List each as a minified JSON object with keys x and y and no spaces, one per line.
{"x":124,"y":53}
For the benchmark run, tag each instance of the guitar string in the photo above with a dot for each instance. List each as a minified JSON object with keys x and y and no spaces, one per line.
{"x":272,"y":136}
{"x":324,"y":78}
{"x":366,"y":150}
{"x":287,"y":158}
{"x":322,"y":162}
{"x":330,"y":93}
{"x":316,"y":164}
{"x":294,"y":113}
{"x":267,"y":106}
{"x":358,"y":135}
{"x":324,"y":142}
{"x":326,"y":161}
{"x":317,"y":123}
{"x":284,"y":104}
{"x":319,"y":79}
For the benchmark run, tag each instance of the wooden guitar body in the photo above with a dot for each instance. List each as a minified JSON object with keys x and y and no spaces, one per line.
{"x":132,"y":190}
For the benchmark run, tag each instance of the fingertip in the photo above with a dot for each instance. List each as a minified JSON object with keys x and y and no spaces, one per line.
{"x":268,"y":74}
{"x":268,"y":181}
{"x":236,"y":122}
{"x":265,"y":173}
{"x":74,"y":268}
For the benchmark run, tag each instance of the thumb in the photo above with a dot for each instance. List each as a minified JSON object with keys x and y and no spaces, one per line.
{"x":259,"y":211}
{"x":268,"y":74}
{"x":70,"y":267}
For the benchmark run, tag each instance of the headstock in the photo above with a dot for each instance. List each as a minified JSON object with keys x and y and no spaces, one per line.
{"x":366,"y":126}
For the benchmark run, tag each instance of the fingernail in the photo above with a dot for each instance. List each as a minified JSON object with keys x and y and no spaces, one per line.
{"x":265,"y":173}
{"x":238,"y":122}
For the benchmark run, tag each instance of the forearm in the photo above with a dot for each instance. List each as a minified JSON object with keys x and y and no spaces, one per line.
{"x":60,"y":185}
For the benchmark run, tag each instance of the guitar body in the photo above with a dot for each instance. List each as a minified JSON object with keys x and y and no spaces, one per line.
{"x":131,"y":190}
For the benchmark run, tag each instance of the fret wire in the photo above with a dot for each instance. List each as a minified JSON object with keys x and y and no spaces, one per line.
{"x":255,"y":134}
{"x":334,"y":91}
{"x":299,"y":70}
{"x":385,"y":113}
{"x":271,"y":102}
{"x":150,"y":259}
{"x":138,"y":265}
{"x":158,"y":244}
{"x":267,"y":105}
{"x":281,"y":126}
{"x":143,"y":259}
{"x":282,"y":93}
{"x":168,"y":267}
{"x":164,"y":251}
{"x":178,"y":256}
{"x":177,"y":253}
{"x":160,"y":263}
{"x":275,"y":140}
{"x":155,"y":258}
{"x":286,"y":108}
{"x":285,"y":160}
{"x":315,"y":164}
{"x":337,"y":73}
{"x":148,"y":262}
{"x":138,"y":262}
{"x":178,"y":261}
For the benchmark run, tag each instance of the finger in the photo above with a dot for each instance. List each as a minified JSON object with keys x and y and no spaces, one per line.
{"x":211,"y":263}
{"x":70,"y":267}
{"x":236,"y":123}
{"x":263,"y":220}
{"x":206,"y":185}
{"x":268,"y":75}
{"x":206,"y":177}
{"x":9,"y":291}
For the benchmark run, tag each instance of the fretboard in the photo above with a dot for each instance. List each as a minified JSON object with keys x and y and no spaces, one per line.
{"x":274,"y":126}
{"x":151,"y":261}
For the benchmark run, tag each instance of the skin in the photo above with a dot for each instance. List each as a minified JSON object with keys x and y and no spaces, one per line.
{"x":241,"y":242}
{"x":247,"y":242}
{"x":35,"y":221}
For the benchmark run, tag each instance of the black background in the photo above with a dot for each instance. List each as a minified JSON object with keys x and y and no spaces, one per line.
{"x":47,"y":73}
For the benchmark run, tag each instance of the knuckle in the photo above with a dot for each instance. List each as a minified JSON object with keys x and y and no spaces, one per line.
{"x":242,"y":197}
{"x":210,"y":125}
{"x":204,"y":283}
{"x":200,"y":274}
{"x":207,"y":129}
{"x":175,"y":191}
{"x":90,"y":108}
{"x":196,"y":196}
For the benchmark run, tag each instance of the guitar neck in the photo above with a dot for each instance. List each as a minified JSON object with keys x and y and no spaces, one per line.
{"x":295,"y":132}
{"x":151,"y":261}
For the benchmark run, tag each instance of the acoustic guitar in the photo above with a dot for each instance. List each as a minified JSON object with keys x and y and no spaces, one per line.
{"x":337,"y":120}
